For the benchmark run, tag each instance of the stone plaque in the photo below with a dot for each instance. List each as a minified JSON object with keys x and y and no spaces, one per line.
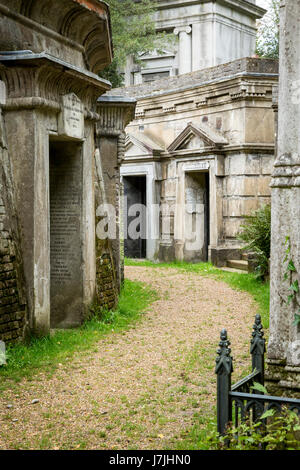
{"x":71,"y":119}
{"x":196,"y":166}
{"x":65,"y":234}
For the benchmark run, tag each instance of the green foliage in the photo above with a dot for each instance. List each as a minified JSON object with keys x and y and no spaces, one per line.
{"x":259,"y":387}
{"x":133,"y":31}
{"x":280,"y":433}
{"x":267,"y":44}
{"x":25,"y":360}
{"x":256,"y":234}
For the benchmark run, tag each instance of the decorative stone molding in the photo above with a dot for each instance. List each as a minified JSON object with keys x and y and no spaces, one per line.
{"x":39,"y":80}
{"x":83,"y":25}
{"x":115,"y":113}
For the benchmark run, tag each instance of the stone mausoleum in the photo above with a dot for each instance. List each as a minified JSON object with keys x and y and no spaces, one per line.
{"x":60,"y":153}
{"x":199,"y":34}
{"x":202,"y":148}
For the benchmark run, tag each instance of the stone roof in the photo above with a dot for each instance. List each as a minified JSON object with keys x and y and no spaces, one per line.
{"x":247,"y":66}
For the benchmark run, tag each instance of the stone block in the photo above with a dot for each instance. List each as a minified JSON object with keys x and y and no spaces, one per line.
{"x":169,"y":188}
{"x":263,"y":186}
{"x":220,"y":255}
{"x":267,"y":165}
{"x":232,"y":227}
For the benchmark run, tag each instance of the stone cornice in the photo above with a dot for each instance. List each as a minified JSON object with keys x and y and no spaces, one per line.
{"x":241,"y":5}
{"x":244,"y":90}
{"x":42,"y":79}
{"x":186,"y":154}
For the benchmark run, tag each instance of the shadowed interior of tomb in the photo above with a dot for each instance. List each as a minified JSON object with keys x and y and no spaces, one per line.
{"x":135,"y":193}
{"x":196,"y":216}
{"x":66,"y":289}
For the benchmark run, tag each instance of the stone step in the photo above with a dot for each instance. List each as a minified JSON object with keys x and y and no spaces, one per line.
{"x":240,"y":264}
{"x":232,"y":270}
{"x":245,"y":256}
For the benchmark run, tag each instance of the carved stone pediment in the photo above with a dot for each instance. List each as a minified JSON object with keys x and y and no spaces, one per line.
{"x":197,"y":137}
{"x":140,"y":145}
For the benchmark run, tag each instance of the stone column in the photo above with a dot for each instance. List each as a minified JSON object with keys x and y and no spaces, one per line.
{"x":185,"y":48}
{"x":284,"y":344}
{"x":115,"y":113}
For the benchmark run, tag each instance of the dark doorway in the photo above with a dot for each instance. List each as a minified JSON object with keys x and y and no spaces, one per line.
{"x":135,"y":193}
{"x":206,"y":216}
{"x":66,"y":278}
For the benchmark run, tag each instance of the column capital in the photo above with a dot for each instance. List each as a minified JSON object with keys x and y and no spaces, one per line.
{"x":182,"y":29}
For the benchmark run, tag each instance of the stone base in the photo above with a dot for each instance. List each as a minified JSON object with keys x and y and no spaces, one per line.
{"x":166,"y":253}
{"x":219,"y":255}
{"x":282,"y":380}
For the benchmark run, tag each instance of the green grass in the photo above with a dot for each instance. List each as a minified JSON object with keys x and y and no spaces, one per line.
{"x":259,"y":290}
{"x":45,"y":354}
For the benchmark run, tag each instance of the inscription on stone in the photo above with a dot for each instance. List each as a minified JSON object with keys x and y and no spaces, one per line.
{"x":65,"y":234}
{"x":71,"y":119}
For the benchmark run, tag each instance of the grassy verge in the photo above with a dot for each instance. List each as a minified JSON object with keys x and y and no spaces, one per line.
{"x":44,"y":354}
{"x":259,"y":290}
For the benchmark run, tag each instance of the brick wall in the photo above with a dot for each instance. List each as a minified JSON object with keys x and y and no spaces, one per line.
{"x":12,"y":299}
{"x":12,"y":307}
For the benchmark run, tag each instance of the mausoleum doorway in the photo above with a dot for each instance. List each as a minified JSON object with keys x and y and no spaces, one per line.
{"x":66,"y":257}
{"x":196,"y":218}
{"x":135,"y":216}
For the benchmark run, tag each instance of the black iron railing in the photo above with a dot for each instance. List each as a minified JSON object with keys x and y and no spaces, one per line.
{"x":241,"y":400}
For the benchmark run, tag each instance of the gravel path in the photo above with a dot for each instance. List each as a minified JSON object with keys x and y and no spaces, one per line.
{"x":140,"y":389}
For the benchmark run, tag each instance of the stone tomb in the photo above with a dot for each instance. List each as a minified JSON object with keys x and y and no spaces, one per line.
{"x":60,"y":153}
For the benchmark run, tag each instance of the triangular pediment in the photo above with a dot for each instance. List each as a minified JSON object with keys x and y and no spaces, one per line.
{"x":197,"y":137}
{"x":140,"y":145}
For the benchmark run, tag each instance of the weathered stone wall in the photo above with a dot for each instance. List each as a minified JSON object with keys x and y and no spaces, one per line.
{"x":115,"y":114}
{"x":107,"y":250}
{"x":246,"y":188}
{"x":12,"y":300}
{"x":283,"y":372}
